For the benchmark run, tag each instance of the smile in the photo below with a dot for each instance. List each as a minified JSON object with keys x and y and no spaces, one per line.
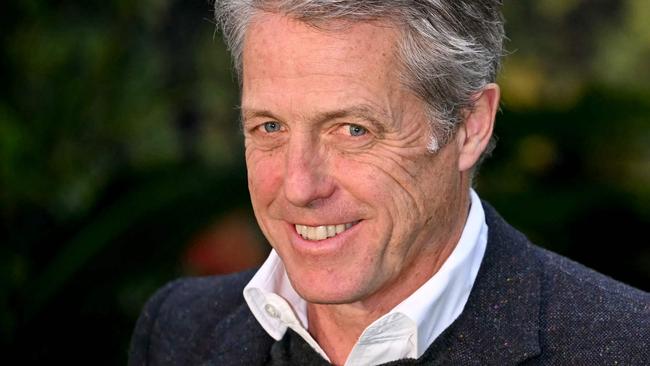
{"x":322,"y":232}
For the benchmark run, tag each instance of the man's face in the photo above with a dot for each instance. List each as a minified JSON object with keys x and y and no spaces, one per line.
{"x":340,"y":179}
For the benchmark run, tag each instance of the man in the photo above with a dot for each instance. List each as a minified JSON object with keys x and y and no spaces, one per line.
{"x":364,"y":122}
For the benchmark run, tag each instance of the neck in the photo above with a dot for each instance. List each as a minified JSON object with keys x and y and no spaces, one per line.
{"x":337,"y":327}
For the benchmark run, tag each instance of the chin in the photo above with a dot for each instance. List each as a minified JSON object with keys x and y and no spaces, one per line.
{"x":322,"y":287}
{"x":322,"y":296}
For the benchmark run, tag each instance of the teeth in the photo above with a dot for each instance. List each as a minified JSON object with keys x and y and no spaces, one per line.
{"x":321,"y":232}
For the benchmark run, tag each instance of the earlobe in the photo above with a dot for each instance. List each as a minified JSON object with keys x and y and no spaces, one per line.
{"x":476,"y":131}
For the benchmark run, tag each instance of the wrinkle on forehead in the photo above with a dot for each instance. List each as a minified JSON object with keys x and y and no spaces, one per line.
{"x":349,"y":40}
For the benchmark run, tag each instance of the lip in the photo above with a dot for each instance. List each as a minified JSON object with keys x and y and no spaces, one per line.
{"x":326,"y":246}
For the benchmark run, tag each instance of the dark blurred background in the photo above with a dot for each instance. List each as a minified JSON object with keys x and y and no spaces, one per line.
{"x":121,"y":161}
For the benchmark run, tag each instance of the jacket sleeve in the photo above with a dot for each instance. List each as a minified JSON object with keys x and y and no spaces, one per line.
{"x":139,"y":352}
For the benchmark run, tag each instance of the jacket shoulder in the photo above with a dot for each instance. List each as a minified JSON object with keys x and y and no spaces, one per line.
{"x":563,"y":272}
{"x":183,"y":315}
{"x":575,"y":314}
{"x":586,"y":315}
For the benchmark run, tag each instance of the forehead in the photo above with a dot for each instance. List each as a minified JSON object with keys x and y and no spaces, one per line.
{"x":342,"y":36}
{"x":279,"y":46}
{"x":297,"y":70}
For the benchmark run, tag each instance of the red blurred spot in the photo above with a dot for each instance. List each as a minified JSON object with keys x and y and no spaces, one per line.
{"x":231,"y":244}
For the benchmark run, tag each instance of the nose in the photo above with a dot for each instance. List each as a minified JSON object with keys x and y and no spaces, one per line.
{"x":307,"y":180}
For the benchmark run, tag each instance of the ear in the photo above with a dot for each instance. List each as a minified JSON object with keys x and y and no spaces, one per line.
{"x":475,"y":132}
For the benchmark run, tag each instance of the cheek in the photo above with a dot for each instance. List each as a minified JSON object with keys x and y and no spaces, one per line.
{"x":398,"y":179}
{"x":264,"y":176}
{"x":382,"y":183}
{"x":359,"y":177}
{"x":403,"y":193}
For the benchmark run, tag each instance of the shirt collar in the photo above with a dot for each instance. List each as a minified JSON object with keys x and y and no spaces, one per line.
{"x":427,"y":312}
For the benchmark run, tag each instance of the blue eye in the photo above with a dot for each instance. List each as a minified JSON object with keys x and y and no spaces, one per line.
{"x":271,"y":126}
{"x":356,"y":130}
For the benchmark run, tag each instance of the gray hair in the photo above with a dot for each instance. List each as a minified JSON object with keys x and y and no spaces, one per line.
{"x":450,"y":49}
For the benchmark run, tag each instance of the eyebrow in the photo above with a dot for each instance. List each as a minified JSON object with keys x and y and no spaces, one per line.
{"x":362,"y":111}
{"x":249,"y":113}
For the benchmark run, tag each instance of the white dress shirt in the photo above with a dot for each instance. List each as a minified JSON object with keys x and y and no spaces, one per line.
{"x":404,"y":332}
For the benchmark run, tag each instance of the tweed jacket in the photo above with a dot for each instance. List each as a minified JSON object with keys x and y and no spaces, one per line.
{"x":527,"y":306}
